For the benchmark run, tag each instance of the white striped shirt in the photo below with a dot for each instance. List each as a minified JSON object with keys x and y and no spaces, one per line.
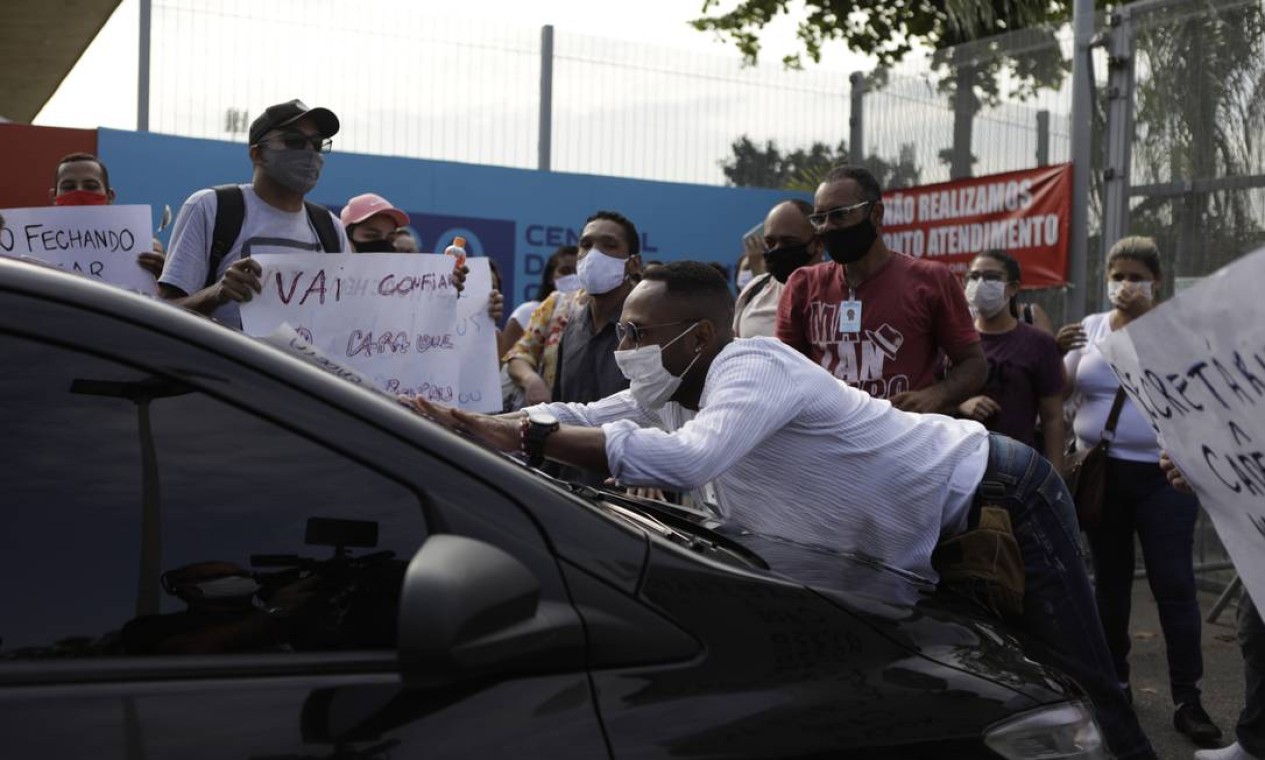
{"x":797,"y":455}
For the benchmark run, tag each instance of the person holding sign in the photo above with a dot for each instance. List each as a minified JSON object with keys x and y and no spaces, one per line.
{"x":799,"y":458}
{"x":209,"y":269}
{"x":1250,"y":731}
{"x":82,"y":179}
{"x":1138,"y":499}
{"x":906,"y":313}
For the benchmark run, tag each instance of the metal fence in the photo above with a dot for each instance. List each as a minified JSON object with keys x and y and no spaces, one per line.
{"x":432,"y":88}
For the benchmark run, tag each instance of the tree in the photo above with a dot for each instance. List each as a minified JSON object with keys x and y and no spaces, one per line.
{"x":884,"y":29}
{"x":889,"y":29}
{"x":755,"y":166}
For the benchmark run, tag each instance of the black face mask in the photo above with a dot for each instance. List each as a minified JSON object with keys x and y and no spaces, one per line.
{"x":848,"y":244}
{"x":782,"y":261}
{"x":373,"y":246}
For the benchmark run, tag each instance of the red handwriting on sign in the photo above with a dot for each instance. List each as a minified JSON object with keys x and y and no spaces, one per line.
{"x":370,"y":344}
{"x":316,"y":286}
{"x":403,"y":285}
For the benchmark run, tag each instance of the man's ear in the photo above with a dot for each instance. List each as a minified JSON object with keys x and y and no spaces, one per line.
{"x":876,"y":213}
{"x":256,"y":155}
{"x":704,"y":335}
{"x":633,"y":267}
{"x":52,"y":194}
{"x":109,"y":193}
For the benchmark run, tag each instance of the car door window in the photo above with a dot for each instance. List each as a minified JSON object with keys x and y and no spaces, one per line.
{"x":141,"y":516}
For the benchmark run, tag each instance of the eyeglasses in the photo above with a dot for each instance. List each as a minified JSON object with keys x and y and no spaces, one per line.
{"x":837,"y":215}
{"x":300,"y":141}
{"x":988,"y":276}
{"x":634,"y":333}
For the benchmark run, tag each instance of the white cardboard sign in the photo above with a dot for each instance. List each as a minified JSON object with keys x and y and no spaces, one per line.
{"x":1195,"y":366}
{"x":101,"y":242}
{"x":393,"y":317}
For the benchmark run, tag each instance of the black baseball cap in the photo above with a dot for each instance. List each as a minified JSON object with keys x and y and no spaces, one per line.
{"x":284,"y":114}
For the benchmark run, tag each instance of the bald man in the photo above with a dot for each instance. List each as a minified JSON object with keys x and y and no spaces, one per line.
{"x":789,"y":243}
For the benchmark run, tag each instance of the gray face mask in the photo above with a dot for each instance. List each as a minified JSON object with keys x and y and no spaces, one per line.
{"x":296,"y":169}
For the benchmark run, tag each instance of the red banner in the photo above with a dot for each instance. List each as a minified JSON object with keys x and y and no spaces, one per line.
{"x":1026,"y":213}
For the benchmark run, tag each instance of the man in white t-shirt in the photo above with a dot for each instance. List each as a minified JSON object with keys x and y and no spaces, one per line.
{"x":800,"y":458}
{"x":287,"y":146}
{"x":789,"y":243}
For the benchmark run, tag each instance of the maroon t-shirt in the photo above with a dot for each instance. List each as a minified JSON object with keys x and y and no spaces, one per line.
{"x":1024,"y":366}
{"x":911,"y":311}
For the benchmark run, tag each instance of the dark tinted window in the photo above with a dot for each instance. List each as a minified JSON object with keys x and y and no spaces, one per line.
{"x":135,"y":513}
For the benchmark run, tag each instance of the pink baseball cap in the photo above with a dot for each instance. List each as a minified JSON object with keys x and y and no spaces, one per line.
{"x":364,"y":206}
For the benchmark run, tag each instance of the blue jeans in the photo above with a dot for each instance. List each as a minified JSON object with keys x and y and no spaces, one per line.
{"x":1058,"y":605}
{"x":1250,"y":730}
{"x":1140,"y":500}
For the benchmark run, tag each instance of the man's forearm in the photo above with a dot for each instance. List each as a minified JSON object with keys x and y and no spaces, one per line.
{"x":204,"y":301}
{"x":963,"y":380}
{"x":579,"y":447}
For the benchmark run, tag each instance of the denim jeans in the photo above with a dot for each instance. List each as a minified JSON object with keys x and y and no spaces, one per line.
{"x":1250,"y":730}
{"x":1058,"y":606}
{"x":1139,"y":500}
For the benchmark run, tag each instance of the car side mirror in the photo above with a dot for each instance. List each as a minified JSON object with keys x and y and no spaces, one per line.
{"x":468,"y":608}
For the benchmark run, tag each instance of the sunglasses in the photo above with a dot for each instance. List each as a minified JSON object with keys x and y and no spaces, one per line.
{"x":300,"y":141}
{"x":837,"y":215}
{"x":633,"y":333}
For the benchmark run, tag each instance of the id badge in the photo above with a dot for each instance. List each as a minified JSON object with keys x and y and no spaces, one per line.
{"x":850,"y":317}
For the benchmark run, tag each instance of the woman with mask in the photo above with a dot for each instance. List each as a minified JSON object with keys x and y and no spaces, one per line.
{"x":1138,"y":499}
{"x":559,"y":275}
{"x":371,"y":222}
{"x":1025,"y":372}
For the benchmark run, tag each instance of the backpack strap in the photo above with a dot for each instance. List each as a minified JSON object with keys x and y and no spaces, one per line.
{"x":230,"y":213}
{"x":753,"y":290}
{"x":324,"y":224}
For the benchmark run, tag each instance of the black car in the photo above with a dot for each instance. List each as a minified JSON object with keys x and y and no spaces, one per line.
{"x":210,"y":548}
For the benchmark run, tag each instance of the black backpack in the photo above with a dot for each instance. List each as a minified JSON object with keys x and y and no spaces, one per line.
{"x":230,"y":213}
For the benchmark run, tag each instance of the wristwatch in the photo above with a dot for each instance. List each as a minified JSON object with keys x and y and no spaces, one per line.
{"x":537,"y":426}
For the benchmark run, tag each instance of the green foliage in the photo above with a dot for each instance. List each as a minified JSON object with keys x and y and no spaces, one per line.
{"x":885,"y":29}
{"x":752,"y":165}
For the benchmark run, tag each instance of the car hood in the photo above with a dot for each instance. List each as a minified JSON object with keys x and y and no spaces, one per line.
{"x":914,"y":614}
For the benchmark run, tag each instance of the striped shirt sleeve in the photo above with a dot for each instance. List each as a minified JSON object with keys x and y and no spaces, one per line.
{"x":748,"y":397}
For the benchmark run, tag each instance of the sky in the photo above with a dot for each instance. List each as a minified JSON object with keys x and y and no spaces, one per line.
{"x":101,"y":89}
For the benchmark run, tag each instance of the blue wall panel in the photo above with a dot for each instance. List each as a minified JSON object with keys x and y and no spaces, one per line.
{"x":516,"y":216}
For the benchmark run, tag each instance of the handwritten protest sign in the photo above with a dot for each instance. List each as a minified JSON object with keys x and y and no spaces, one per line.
{"x":395,"y":318}
{"x":101,"y":242}
{"x":1195,"y":366}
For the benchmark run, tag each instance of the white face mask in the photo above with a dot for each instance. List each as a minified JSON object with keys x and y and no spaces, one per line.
{"x":600,"y":273}
{"x":567,"y":283}
{"x":1115,"y":287}
{"x":232,"y":587}
{"x":986,"y":297}
{"x":651,"y":384}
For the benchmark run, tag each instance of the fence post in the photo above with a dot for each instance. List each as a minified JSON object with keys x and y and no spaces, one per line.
{"x":142,"y":69}
{"x":546,"y":98}
{"x":1120,"y":78}
{"x":1043,"y":138}
{"x":856,"y":120}
{"x":1082,"y":156}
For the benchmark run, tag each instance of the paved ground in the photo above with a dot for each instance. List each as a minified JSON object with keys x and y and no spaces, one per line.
{"x":1223,"y":674}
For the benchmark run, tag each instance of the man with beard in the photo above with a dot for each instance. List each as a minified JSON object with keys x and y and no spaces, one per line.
{"x":877,"y":319}
{"x":789,"y":243}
